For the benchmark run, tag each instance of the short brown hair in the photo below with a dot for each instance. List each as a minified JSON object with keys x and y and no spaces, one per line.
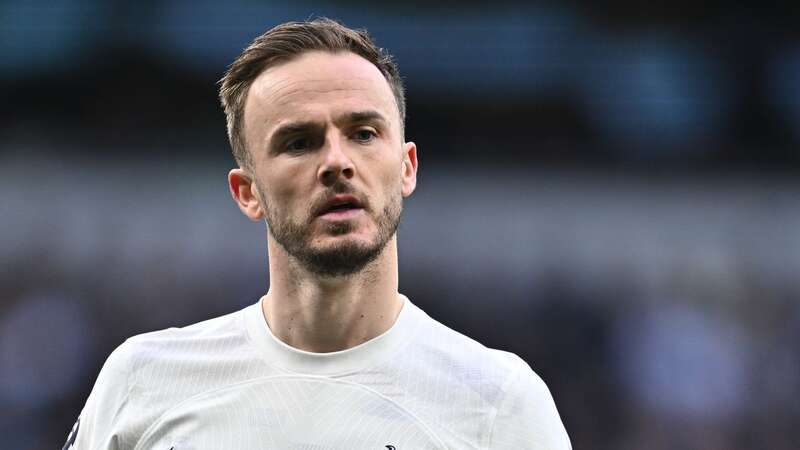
{"x":281,"y":44}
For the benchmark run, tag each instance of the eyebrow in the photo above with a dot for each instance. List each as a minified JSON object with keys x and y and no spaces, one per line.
{"x":291,"y":128}
{"x":368,"y":115}
{"x":306,"y":126}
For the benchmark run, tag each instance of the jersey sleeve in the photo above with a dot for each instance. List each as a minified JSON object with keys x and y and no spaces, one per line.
{"x":100,"y":425}
{"x":527,"y":417}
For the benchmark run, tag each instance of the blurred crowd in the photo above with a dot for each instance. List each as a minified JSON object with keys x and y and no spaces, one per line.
{"x":608,"y":190}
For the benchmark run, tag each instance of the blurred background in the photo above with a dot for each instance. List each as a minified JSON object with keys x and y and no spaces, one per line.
{"x":608,"y":189}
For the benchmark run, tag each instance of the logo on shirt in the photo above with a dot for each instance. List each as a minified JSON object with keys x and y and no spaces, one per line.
{"x":390,"y":447}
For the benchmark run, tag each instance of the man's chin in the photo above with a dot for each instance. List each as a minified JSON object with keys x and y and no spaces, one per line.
{"x":342,"y":258}
{"x":328,"y":228}
{"x":332,"y":240}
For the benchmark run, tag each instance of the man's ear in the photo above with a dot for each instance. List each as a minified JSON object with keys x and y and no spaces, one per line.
{"x":244,"y":193}
{"x":409,"y":168}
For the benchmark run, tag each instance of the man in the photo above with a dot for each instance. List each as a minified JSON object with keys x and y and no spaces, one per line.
{"x":332,"y":357}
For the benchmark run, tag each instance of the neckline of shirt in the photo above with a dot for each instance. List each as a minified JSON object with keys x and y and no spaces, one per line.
{"x":280,"y":354}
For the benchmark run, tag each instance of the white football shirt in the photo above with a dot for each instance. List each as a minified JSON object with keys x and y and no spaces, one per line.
{"x":228,"y":383}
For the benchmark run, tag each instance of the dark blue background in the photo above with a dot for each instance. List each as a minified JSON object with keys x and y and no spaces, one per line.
{"x":607,"y":189}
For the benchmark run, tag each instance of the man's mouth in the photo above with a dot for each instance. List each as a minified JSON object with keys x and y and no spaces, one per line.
{"x":340,"y":207}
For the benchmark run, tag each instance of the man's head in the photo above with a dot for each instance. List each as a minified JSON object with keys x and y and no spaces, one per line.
{"x":284,"y":43}
{"x":321,"y":149}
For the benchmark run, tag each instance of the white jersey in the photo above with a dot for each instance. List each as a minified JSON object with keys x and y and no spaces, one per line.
{"x":228,"y":383}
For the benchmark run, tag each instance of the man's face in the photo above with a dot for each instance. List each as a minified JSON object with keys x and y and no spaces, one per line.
{"x":329,"y":164}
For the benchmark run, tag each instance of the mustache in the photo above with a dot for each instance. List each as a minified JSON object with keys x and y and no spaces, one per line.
{"x":319,"y":202}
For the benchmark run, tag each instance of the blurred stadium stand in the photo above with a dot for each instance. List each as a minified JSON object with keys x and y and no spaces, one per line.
{"x":608,"y":189}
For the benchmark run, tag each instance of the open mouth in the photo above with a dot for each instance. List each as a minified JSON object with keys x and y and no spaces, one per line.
{"x":341,"y":206}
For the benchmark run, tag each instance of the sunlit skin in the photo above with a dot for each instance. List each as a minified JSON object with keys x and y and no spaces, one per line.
{"x":312,"y":125}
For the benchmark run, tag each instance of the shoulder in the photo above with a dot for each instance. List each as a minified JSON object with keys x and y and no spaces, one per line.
{"x":136,"y":358}
{"x":508,"y":402}
{"x":150,"y":372}
{"x":220,"y":335}
{"x":527,"y":416}
{"x":169,"y":360}
{"x":450,"y":362}
{"x":520,"y":410}
{"x":450,"y":349}
{"x":221,"y":327}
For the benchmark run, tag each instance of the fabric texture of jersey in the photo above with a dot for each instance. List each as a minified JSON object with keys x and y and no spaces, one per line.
{"x":228,"y":383}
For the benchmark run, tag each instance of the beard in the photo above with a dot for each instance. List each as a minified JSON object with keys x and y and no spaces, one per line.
{"x":343,"y":258}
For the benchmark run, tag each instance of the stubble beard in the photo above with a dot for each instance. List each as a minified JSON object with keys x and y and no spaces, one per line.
{"x":344,"y":258}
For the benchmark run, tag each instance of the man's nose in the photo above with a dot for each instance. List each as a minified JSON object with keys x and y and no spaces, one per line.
{"x":336,"y":163}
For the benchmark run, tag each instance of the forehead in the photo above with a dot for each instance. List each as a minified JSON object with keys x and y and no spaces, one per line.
{"x":318,"y":84}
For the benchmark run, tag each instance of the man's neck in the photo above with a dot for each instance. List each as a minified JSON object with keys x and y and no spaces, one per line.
{"x":327,"y":314}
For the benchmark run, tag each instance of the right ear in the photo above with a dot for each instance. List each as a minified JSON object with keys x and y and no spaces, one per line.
{"x":245,"y":194}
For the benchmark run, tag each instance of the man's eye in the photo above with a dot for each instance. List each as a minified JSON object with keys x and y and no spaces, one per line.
{"x":298,"y":145}
{"x":364,"y":135}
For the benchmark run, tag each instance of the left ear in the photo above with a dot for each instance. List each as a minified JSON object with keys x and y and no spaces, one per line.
{"x":409,"y":168}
